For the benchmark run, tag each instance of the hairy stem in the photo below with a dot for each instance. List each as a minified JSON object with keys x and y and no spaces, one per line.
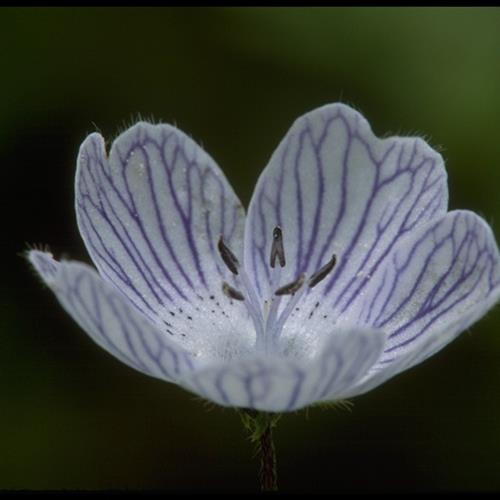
{"x":268,"y":476}
{"x":260,"y":426}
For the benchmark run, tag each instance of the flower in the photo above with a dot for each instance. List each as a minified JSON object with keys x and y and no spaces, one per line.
{"x":347,"y":270}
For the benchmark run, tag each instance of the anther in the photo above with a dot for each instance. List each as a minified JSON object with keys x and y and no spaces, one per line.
{"x":231,"y":292}
{"x":323,"y":272}
{"x":292,"y":287}
{"x":227,"y":256}
{"x":277,"y":250}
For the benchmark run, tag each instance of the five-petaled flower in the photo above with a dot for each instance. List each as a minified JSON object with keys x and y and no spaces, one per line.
{"x":347,"y":269}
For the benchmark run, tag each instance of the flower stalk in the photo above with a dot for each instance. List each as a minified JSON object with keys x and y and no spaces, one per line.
{"x":260,"y":427}
{"x":267,"y":474}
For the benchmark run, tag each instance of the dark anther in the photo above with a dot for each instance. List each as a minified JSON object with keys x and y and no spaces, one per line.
{"x":292,"y":287}
{"x":231,"y":292}
{"x":277,"y":249}
{"x":322,"y":273}
{"x":227,"y":256}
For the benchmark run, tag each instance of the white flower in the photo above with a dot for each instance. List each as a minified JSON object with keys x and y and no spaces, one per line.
{"x":347,"y":270}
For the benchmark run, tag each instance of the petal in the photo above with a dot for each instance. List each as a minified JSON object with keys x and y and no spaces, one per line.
{"x":151,"y":216}
{"x":436,"y":283}
{"x":423,"y":347}
{"x":335,"y":188}
{"x":110,"y":321}
{"x":278,"y":384}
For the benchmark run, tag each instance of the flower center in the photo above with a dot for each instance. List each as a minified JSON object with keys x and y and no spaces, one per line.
{"x":266,"y":316}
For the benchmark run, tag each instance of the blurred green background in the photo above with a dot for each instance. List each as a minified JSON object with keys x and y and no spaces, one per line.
{"x":72,"y":416}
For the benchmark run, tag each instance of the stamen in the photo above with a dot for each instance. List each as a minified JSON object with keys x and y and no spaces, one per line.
{"x":231,"y":292}
{"x":267,"y":322}
{"x":272,"y":310}
{"x":277,"y":250}
{"x":292,"y":287}
{"x":276,"y":329}
{"x":227,"y":256}
{"x":323,"y":272}
{"x":252,"y":304}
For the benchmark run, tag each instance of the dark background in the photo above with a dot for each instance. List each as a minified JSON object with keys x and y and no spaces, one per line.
{"x":71,"y":416}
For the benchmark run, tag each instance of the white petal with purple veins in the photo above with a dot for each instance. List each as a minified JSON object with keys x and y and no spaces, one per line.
{"x":435,"y":278}
{"x":423,"y":347}
{"x":279,"y":383}
{"x":110,"y":320}
{"x":151,"y":216}
{"x":335,"y":188}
